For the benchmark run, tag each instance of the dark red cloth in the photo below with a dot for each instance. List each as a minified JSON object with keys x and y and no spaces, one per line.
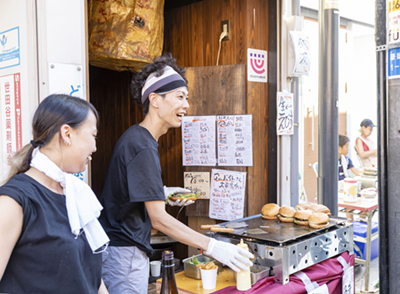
{"x":328,"y":272}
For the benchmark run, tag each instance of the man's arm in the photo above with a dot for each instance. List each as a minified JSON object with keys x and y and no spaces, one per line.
{"x":164,"y":222}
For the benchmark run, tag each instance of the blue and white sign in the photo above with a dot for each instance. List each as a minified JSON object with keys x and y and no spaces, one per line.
{"x":394,"y":63}
{"x":9,"y":48}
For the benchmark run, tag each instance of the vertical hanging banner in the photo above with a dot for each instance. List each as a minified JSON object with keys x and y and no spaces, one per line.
{"x":257,"y":65}
{"x":227,"y":194}
{"x":198,"y":140}
{"x":11,"y":124}
{"x":300,"y":50}
{"x":284,"y":121}
{"x":235,"y":144}
{"x":393,"y":22}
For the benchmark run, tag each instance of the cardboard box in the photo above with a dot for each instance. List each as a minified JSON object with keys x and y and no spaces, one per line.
{"x":360,"y":237}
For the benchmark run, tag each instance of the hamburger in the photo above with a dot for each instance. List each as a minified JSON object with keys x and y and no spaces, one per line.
{"x":270,"y":211}
{"x":181,"y":196}
{"x":301,"y":217}
{"x":318,"y":220}
{"x":286,"y":214}
{"x":303,"y":206}
{"x":320,"y":208}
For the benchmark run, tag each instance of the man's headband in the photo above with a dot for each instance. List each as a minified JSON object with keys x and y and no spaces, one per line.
{"x":167,"y":82}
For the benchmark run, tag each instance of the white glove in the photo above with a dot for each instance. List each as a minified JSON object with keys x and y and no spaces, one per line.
{"x":171,"y":190}
{"x":229,"y":254}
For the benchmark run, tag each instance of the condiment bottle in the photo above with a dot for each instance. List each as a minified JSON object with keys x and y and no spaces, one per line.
{"x":243,"y":281}
{"x":168,"y":285}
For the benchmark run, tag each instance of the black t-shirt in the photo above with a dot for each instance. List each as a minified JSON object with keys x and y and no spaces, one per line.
{"x":47,"y":258}
{"x":133,"y":177}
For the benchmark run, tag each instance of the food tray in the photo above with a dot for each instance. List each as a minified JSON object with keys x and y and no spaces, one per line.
{"x":192,"y":271}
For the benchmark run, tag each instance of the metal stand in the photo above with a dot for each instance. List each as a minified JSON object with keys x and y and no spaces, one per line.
{"x":369,"y":214}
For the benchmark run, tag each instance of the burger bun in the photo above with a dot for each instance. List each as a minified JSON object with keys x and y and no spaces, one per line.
{"x":270,"y":211}
{"x":318,"y":220}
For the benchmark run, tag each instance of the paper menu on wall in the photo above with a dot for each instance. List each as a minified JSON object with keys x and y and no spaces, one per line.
{"x":227,"y":193}
{"x":284,"y":121}
{"x":198,"y":182}
{"x":234,"y":141}
{"x":198,"y":140}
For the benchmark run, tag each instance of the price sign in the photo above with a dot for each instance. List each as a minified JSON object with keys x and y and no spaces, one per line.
{"x":198,"y":182}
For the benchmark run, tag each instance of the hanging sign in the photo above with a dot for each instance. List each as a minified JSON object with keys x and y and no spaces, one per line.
{"x":300,"y":50}
{"x":284,"y":123}
{"x":11,"y":123}
{"x":257,"y":65}
{"x":198,"y":140}
{"x":198,"y":183}
{"x":9,"y":48}
{"x":394,"y":63}
{"x":235,"y":144}
{"x":394,"y":22}
{"x":227,"y":194}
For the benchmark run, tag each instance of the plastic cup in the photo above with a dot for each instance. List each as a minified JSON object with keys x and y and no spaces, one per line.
{"x":209,"y":278}
{"x":155,"y":268}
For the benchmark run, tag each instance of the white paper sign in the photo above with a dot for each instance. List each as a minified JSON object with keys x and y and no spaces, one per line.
{"x":227,"y":194}
{"x":198,"y":182}
{"x":257,"y":65}
{"x":235,"y":143}
{"x":284,"y":123}
{"x":198,"y":140}
{"x":348,"y":281}
{"x":301,"y":50}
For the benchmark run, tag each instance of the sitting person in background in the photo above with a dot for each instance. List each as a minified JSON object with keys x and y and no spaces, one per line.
{"x":365,"y":148}
{"x":345,"y":162}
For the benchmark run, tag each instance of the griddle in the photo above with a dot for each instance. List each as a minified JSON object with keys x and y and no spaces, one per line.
{"x":277,"y":232}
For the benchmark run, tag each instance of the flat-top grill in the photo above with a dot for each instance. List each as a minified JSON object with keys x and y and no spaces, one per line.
{"x":286,"y":247}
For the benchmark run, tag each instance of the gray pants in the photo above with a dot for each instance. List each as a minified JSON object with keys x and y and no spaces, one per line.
{"x":125,"y":270}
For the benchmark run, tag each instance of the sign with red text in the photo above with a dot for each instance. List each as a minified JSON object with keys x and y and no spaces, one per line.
{"x":198,"y":183}
{"x":198,"y":140}
{"x":11,"y":124}
{"x":227,"y":192}
{"x":257,"y":65}
{"x":234,"y":141}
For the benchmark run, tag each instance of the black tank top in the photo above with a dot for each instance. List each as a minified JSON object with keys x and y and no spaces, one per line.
{"x":47,"y":258}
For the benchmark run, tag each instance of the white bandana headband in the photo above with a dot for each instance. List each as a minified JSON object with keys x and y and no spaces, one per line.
{"x":167,"y":82}
{"x":83,"y":208}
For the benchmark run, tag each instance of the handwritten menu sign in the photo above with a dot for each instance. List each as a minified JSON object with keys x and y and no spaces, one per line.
{"x":198,"y":140}
{"x":227,"y":194}
{"x":284,"y":123}
{"x":235,"y":145}
{"x":198,"y":182}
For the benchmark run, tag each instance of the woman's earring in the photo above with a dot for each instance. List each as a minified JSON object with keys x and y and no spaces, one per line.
{"x":68,"y":143}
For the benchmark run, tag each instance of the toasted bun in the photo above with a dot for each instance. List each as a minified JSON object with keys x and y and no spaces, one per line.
{"x":270,"y":210}
{"x":300,"y":223}
{"x":318,"y":220}
{"x":302,"y":214}
{"x":286,"y":219}
{"x":175,"y":198}
{"x":303,"y":206}
{"x":269,"y":217}
{"x":320,"y":208}
{"x":287,"y":211}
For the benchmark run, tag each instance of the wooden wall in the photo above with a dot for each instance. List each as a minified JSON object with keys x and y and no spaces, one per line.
{"x":191,"y":35}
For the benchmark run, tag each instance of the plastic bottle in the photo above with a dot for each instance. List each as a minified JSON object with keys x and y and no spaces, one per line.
{"x":168,"y":285}
{"x":243,"y":280}
{"x":350,"y":190}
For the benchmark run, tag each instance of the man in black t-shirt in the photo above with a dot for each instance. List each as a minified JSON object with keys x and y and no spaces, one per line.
{"x":133,"y":195}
